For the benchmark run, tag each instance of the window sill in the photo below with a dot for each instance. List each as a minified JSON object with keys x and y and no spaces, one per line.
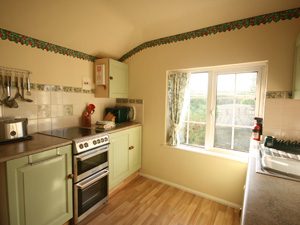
{"x":216,"y":152}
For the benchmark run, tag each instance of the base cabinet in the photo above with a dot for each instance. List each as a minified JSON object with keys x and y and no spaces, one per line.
{"x":124,"y":155}
{"x":39,"y":191}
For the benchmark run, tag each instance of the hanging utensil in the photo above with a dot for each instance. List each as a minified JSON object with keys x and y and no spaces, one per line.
{"x":11,"y":103}
{"x":17,"y":95}
{"x":28,"y":85}
{"x":3,"y":91}
{"x":22,"y":83}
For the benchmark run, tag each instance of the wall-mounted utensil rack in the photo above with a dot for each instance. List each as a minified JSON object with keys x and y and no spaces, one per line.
{"x":18,"y":78}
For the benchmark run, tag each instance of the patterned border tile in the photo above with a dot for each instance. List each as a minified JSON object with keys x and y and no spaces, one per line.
{"x":35,"y":43}
{"x":68,"y":89}
{"x":56,"y":88}
{"x":230,"y":26}
{"x":279,"y":94}
{"x":49,"y":87}
{"x":132,"y":101}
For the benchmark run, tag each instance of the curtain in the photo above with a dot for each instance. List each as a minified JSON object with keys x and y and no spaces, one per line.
{"x":177,"y":83}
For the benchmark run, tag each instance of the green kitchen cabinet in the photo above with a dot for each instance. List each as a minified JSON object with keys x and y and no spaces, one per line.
{"x":113,"y":80}
{"x":134,"y":149}
{"x":39,"y":188}
{"x":124,"y":155}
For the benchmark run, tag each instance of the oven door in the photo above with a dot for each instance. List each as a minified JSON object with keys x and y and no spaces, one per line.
{"x":89,"y":194}
{"x":90,"y":162}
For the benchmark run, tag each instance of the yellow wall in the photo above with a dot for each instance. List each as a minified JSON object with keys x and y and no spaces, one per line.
{"x":46,"y":67}
{"x":221,"y":178}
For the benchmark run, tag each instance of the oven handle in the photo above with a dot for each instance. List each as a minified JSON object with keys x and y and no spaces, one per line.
{"x":92,"y":153}
{"x":84,"y":184}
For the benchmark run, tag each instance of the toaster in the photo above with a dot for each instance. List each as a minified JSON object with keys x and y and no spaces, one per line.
{"x":13,"y":128}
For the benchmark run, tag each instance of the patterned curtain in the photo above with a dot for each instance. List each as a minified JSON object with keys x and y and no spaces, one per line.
{"x":177,"y":83}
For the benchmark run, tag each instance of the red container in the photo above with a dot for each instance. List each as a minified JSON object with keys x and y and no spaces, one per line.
{"x":257,"y":129}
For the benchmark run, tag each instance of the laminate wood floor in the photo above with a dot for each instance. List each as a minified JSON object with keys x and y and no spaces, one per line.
{"x":147,"y":202}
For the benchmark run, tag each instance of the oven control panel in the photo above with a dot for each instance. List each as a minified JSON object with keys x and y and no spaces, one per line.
{"x":85,"y":144}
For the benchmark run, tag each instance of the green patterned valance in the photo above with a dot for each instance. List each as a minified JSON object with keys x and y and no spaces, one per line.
{"x":252,"y":21}
{"x":35,"y":43}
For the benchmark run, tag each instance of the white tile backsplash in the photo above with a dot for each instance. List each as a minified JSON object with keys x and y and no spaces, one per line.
{"x":56,"y":97}
{"x":44,"y":111}
{"x":281,"y":118}
{"x":51,"y":110}
{"x":57,"y":111}
{"x":43,"y":97}
{"x":44,"y":124}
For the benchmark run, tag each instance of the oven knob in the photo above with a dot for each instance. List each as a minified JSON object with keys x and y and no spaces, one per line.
{"x":106,"y":139}
{"x":86,"y":144}
{"x":98,"y":141}
{"x":102,"y":139}
{"x":81,"y":146}
{"x":94,"y":142}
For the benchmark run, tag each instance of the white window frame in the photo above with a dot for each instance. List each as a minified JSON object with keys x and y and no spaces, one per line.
{"x":261,"y":83}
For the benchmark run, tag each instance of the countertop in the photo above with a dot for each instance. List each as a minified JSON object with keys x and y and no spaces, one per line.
{"x":270,"y":200}
{"x":38,"y":143}
{"x":123,"y":126}
{"x":43,"y":142}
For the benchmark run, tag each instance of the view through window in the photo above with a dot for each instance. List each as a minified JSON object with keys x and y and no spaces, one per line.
{"x":220,"y":109}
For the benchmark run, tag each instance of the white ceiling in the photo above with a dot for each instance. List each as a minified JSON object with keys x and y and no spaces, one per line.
{"x":110,"y":28}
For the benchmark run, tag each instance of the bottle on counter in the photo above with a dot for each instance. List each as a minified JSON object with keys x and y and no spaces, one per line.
{"x":257,"y":129}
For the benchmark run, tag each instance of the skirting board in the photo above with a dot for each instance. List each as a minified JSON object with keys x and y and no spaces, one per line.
{"x":201,"y":194}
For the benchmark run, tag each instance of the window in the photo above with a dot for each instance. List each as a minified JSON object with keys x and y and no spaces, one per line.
{"x":220,"y":107}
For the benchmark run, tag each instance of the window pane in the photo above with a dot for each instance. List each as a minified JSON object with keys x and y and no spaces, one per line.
{"x":198,"y":84}
{"x":182,"y":133}
{"x":224,"y":113}
{"x":242,"y":139}
{"x":246,"y":83}
{"x":226,"y":84}
{"x":198,"y":109}
{"x":223,"y":137}
{"x":196,"y":134}
{"x":244,"y":111}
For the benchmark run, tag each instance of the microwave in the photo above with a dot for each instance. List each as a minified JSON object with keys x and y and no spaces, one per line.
{"x":121,"y":113}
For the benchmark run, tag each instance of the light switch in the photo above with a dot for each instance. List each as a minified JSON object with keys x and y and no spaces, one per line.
{"x":86,"y":83}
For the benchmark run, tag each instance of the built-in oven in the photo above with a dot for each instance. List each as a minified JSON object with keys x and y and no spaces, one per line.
{"x":90,"y":162}
{"x":89,"y":194}
{"x":90,"y":169}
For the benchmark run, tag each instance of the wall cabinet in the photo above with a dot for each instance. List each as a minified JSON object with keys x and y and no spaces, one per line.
{"x":115,"y":75}
{"x":39,"y":190}
{"x":124,"y":155}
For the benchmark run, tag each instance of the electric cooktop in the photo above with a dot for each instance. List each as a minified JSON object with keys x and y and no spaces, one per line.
{"x":84,"y":139}
{"x":72,"y":133}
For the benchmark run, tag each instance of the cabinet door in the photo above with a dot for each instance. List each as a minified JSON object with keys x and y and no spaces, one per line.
{"x":39,"y":191}
{"x":118,"y":158}
{"x":118,"y":83}
{"x":134,"y":149}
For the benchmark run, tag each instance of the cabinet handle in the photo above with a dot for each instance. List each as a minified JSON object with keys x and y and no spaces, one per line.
{"x":111,"y":78}
{"x":44,"y":160}
{"x":70,"y":176}
{"x":131,"y":147}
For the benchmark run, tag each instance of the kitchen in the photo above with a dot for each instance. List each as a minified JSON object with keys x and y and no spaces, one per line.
{"x":215,"y":176}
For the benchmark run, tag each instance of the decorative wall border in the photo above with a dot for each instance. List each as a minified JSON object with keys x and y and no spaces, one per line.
{"x":279,"y":94}
{"x":230,"y":26}
{"x":35,"y":43}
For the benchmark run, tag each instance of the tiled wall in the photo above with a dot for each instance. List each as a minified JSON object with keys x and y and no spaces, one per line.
{"x":282,"y":118}
{"x":56,"y":109}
